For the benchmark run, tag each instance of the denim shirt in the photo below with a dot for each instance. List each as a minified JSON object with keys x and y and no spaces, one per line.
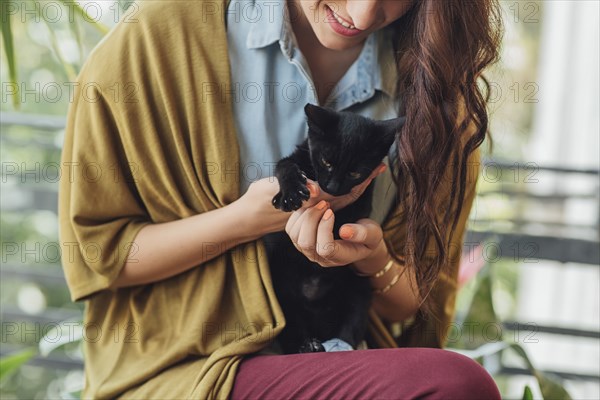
{"x":271,"y":83}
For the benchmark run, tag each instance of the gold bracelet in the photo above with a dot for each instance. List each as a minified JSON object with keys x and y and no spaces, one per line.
{"x":378,"y":273}
{"x":389,"y":285}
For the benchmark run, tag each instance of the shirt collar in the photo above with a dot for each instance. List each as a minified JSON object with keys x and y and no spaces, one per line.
{"x":270,"y":24}
{"x":267,"y":22}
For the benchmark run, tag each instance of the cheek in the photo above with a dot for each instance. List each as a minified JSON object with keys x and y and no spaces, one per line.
{"x":395,"y":9}
{"x":311,"y":9}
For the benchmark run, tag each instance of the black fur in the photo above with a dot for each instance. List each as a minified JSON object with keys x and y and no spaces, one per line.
{"x":341,"y":151}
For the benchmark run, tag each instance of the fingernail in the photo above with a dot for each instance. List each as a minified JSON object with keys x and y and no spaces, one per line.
{"x":312,"y":190}
{"x":322,"y":204}
{"x":346,"y":232}
{"x":327,"y":215}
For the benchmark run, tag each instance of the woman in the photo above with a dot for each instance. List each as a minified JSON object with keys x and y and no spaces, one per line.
{"x":177,"y":121}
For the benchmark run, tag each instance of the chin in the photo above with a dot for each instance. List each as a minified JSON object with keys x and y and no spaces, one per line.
{"x":335,"y":42}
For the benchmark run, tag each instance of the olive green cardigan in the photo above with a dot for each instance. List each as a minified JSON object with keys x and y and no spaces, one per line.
{"x":150,"y":138}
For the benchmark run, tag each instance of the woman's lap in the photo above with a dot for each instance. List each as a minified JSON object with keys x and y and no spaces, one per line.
{"x":404,"y":373}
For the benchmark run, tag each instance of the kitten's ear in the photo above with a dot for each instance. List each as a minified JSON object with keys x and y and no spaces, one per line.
{"x":320,"y":119}
{"x":390,"y":127}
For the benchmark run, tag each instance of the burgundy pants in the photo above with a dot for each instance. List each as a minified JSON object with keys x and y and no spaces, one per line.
{"x":405,"y":373}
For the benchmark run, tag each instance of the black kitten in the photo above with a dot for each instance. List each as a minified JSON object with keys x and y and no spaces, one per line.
{"x":341,"y":151}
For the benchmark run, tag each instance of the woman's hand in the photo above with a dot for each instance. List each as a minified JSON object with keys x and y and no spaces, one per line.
{"x":262,"y":218}
{"x":337,"y":203}
{"x":311,"y":231}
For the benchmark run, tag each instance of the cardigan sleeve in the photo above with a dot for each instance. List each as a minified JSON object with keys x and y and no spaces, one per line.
{"x":100,"y":211}
{"x":141,"y":134}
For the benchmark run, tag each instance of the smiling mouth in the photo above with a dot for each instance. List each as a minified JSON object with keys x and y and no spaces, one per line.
{"x":342,"y":21}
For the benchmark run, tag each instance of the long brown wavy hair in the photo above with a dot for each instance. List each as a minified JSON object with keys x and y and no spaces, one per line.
{"x":443,"y":46}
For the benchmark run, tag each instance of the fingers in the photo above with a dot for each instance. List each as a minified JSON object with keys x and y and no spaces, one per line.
{"x":302,"y":228}
{"x":313,"y":187}
{"x":364,"y":231}
{"x":380,"y":170}
{"x":315,"y":191}
{"x":311,"y":232}
{"x":291,"y":222}
{"x":333,"y":252}
{"x":307,"y":237}
{"x":326,"y":245}
{"x":374,"y":174}
{"x":311,"y":229}
{"x":359,"y":189}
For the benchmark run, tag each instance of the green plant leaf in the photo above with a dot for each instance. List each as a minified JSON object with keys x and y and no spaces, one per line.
{"x":549,"y":386}
{"x":59,"y":336}
{"x":68,"y":68}
{"x":11,"y":363}
{"x":76,"y":30}
{"x":9,"y":50}
{"x":480,"y":326}
{"x":103,"y":29}
{"x":472,"y":303}
{"x":521,"y":352}
{"x":485,"y":350}
{"x":527,"y":394}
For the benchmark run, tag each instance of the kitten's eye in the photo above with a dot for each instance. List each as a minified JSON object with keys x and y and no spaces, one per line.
{"x":325,"y":163}
{"x":354,"y":175}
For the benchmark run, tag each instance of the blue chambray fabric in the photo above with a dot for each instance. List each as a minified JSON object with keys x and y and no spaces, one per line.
{"x":271,"y":83}
{"x":336,"y":345}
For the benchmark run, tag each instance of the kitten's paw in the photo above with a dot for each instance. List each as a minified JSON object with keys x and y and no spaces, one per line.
{"x":311,"y":346}
{"x":293,"y":192}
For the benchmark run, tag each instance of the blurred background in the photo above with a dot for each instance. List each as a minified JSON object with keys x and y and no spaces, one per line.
{"x":530,"y":274}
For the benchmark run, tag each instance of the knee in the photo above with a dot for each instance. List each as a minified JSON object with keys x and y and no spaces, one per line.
{"x":463,"y":378}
